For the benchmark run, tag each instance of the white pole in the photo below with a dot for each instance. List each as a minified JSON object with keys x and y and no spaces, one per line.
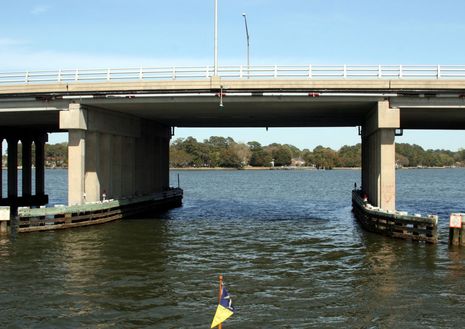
{"x":248,"y":44}
{"x":216,"y":38}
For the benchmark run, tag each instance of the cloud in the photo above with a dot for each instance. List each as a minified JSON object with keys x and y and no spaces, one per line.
{"x":40,"y":9}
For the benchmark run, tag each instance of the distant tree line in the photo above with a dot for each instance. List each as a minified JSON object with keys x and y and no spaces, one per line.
{"x":225,"y":152}
{"x":56,"y":155}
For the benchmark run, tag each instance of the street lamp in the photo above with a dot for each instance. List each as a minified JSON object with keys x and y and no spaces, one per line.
{"x":216,"y":39}
{"x":248,"y":44}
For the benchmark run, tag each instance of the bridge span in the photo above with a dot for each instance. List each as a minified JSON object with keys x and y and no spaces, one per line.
{"x":120,"y":127}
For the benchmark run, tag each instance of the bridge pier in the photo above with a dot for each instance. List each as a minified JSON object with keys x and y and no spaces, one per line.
{"x":27,"y":199}
{"x":118,"y":155}
{"x":378,"y":156}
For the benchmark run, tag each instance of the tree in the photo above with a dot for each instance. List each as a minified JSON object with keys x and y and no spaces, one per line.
{"x":179,"y":158}
{"x":324,"y":157}
{"x":260,"y":158}
{"x":282,"y":156}
{"x":230,"y":159}
{"x":350,"y":156}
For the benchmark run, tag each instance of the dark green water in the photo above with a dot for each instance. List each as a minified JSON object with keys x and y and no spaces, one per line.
{"x":286,"y":242}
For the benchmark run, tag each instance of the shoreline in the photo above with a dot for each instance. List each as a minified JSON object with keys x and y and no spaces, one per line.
{"x":297,"y":168}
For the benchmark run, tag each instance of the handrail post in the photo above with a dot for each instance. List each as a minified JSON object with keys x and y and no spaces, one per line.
{"x":174,"y":73}
{"x":207,"y":72}
{"x":380,"y":72}
{"x":240,"y":72}
{"x":276,"y":71}
{"x":141,"y":74}
{"x":401,"y":75}
{"x":59,"y":75}
{"x":310,"y":75}
{"x":345,"y":71}
{"x":76,"y":75}
{"x":438,"y":73}
{"x":108,"y":75}
{"x":26,"y":77}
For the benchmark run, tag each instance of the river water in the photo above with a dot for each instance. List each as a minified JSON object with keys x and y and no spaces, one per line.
{"x":286,"y":242}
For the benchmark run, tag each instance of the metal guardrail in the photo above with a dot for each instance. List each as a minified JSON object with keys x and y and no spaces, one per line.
{"x":316,"y":72}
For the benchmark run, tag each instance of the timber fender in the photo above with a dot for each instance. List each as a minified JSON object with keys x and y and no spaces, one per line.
{"x":395,"y":224}
{"x":45,"y":219}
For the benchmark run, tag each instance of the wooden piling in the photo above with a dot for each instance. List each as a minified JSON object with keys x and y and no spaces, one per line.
{"x":3,"y":227}
{"x":462,"y":232}
{"x":454,"y":236}
{"x":456,"y":230}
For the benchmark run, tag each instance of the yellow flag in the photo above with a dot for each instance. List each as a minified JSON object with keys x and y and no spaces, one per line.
{"x":222,"y":313}
{"x":224,"y":309}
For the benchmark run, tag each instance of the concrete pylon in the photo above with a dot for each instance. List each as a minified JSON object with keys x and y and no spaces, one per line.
{"x":113,"y":154}
{"x":1,"y":167}
{"x":39,"y":140}
{"x":27,"y":166}
{"x":379,"y":156}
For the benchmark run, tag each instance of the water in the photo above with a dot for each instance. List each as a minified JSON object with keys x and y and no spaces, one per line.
{"x":286,"y":242}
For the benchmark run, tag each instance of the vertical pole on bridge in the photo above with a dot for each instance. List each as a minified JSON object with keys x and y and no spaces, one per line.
{"x":216,"y":39}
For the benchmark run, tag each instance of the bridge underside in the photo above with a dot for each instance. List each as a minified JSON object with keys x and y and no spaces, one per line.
{"x":119,"y":133}
{"x":249,"y":112}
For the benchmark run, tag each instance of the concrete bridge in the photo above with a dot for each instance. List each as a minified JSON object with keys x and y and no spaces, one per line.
{"x":120,"y":121}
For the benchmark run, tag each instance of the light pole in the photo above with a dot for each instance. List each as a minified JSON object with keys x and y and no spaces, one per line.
{"x":216,"y":39}
{"x":248,"y":44}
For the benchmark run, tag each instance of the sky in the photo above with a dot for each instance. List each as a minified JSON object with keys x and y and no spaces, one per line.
{"x":49,"y":34}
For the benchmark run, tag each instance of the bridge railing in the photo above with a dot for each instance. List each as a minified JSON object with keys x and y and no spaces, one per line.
{"x":315,"y":72}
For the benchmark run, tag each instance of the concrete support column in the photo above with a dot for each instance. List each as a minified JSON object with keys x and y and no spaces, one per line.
{"x":155,"y":168}
{"x":127,"y":167}
{"x":131,"y":160}
{"x":165,"y":163}
{"x":105,"y":165}
{"x":1,"y":168}
{"x":76,"y":166}
{"x":117,"y":168}
{"x":92,"y":163}
{"x":39,"y":142}
{"x":140,"y":165}
{"x":119,"y":154}
{"x":365,"y":162}
{"x":378,"y":152}
{"x":27,"y":167}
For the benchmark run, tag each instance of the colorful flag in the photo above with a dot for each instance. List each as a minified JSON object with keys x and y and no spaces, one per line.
{"x":224,"y":309}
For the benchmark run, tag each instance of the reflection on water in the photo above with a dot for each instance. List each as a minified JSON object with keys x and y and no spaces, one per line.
{"x":286,"y":242}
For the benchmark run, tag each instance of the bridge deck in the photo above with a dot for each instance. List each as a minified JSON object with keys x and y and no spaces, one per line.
{"x":424,"y":104}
